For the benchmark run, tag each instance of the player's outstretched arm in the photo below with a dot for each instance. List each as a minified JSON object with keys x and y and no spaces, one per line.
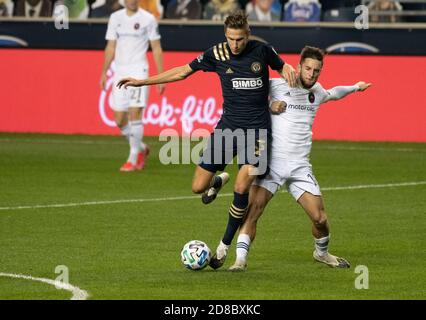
{"x":340,"y":92}
{"x":172,"y":75}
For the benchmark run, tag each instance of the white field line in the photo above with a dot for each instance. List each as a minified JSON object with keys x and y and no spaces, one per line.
{"x":77,"y":293}
{"x":342,"y":148}
{"x":95,"y":203}
{"x":372,"y":186}
{"x":62,"y":141}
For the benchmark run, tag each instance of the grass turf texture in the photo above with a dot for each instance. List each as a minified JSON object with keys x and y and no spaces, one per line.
{"x":131,"y":250}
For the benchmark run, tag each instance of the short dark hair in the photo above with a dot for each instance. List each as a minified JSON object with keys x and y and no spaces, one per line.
{"x":313,"y":53}
{"x":237,"y":20}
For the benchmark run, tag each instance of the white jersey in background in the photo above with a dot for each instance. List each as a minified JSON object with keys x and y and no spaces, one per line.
{"x":132,"y":34}
{"x":292,"y":129}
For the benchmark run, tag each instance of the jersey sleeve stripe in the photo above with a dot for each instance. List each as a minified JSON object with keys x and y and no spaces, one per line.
{"x":222,"y":56}
{"x":225,"y":49}
{"x":215,"y":53}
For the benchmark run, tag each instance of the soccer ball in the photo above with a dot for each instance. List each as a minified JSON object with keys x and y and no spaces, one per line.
{"x":195,"y":255}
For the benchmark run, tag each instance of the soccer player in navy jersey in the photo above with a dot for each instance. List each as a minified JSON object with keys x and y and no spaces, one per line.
{"x":245,"y":125}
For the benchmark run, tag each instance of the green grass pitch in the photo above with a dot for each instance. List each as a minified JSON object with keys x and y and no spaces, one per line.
{"x":131,"y":249}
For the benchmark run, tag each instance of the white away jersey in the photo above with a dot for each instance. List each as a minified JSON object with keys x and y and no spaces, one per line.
{"x":132,"y":34}
{"x":292,"y":129}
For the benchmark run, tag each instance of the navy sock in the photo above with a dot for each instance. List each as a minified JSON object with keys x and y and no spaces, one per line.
{"x":236,"y":213}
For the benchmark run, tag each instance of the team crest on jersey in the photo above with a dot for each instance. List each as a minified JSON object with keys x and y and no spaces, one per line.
{"x":136,"y":26}
{"x":200,"y":58}
{"x":256,"y":67}
{"x":311,"y":97}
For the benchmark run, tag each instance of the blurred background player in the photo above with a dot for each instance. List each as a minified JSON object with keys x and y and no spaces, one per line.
{"x":294,"y":111}
{"x":243,"y":68}
{"x":130,"y":31}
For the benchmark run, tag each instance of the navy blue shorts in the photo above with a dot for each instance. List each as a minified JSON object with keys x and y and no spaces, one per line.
{"x":251,"y":146}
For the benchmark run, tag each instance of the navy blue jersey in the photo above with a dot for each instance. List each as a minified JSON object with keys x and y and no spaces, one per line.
{"x":245,"y":82}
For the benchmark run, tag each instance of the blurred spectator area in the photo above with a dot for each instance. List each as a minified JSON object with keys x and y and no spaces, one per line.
{"x":6,"y":8}
{"x":105,"y":8}
{"x":183,"y":9}
{"x":396,"y":11}
{"x":265,"y":11}
{"x":302,"y":11}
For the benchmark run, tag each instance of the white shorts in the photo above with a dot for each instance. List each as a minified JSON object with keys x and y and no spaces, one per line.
{"x":296,"y":175}
{"x":130,"y":97}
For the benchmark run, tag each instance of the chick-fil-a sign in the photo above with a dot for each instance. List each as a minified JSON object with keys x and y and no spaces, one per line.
{"x":58,"y":91}
{"x":185,"y":114}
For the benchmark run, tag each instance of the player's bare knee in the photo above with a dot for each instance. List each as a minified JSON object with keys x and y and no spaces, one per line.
{"x":198,"y":187}
{"x":120,"y":124}
{"x":319,"y":219}
{"x":240,"y":187}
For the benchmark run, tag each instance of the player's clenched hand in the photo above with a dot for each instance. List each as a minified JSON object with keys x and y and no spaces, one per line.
{"x":289,"y":75}
{"x":278,"y":107}
{"x":129,"y":82}
{"x":363,"y":86}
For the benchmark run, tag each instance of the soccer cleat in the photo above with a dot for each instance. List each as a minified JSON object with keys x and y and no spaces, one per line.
{"x":332,"y":261}
{"x":140,"y":163}
{"x":128,"y":167}
{"x":210,"y":194}
{"x":215,"y":262}
{"x":238,"y":266}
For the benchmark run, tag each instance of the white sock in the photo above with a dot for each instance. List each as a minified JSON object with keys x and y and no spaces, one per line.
{"x":143,"y":146}
{"x":135,"y":138}
{"x":221,"y":250}
{"x":125,"y":131}
{"x":243,"y":246}
{"x":321,"y":245}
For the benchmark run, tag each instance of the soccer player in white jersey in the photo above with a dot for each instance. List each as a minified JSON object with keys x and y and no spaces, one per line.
{"x":130,"y":31}
{"x":293,"y":112}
